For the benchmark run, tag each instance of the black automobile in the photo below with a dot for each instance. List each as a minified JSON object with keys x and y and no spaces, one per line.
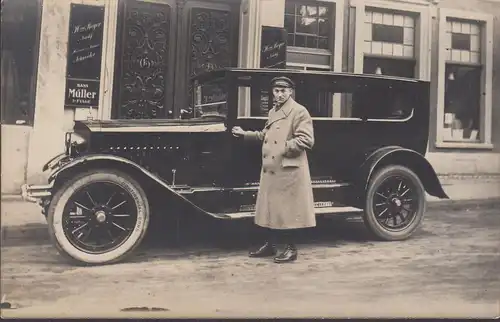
{"x":100,"y":192}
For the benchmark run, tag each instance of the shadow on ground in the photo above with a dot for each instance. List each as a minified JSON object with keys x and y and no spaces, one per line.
{"x":197,"y":236}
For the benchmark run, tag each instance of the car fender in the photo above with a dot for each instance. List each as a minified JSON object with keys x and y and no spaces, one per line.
{"x":400,"y":156}
{"x":88,"y":160}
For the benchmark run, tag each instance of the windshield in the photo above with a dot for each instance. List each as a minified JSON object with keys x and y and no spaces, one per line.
{"x":208,"y":99}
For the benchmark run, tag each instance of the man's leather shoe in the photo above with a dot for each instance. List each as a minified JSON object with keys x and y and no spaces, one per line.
{"x":288,"y":255}
{"x":266,"y":250}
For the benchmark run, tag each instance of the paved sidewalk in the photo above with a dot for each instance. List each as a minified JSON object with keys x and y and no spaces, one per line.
{"x":22,"y":222}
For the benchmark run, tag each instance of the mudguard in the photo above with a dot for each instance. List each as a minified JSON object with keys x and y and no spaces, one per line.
{"x":397,"y":155}
{"x":88,"y":160}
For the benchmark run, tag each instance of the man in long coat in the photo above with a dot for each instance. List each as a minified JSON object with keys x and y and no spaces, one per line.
{"x":285,"y":198}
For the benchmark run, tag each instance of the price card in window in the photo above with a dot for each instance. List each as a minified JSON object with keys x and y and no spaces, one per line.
{"x":448,"y":118}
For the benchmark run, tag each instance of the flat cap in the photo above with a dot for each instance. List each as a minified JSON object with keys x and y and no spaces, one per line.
{"x":282,"y":81}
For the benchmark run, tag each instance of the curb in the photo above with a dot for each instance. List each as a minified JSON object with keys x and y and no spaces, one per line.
{"x":37,"y":233}
{"x":24,"y":235}
{"x":465,"y":203}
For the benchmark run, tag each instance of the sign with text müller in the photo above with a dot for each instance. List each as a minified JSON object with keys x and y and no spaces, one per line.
{"x":86,"y":27}
{"x":272,"y":55}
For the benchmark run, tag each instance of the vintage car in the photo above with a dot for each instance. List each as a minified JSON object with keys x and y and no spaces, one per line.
{"x":100,"y":192}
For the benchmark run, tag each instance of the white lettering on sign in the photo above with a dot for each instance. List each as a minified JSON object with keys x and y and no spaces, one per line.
{"x":273,"y":47}
{"x":86,"y":28}
{"x":82,"y":58}
{"x":81,"y":93}
{"x":76,"y":51}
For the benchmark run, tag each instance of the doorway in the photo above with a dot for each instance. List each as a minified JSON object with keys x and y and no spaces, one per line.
{"x":161,"y":44}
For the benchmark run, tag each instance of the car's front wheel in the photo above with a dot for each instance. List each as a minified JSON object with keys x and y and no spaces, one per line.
{"x":395,"y":203}
{"x":98,"y":217}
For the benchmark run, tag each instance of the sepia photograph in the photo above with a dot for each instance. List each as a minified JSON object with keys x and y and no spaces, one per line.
{"x":250,"y":159}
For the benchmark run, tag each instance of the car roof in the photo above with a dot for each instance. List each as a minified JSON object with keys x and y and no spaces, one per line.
{"x":223,"y":72}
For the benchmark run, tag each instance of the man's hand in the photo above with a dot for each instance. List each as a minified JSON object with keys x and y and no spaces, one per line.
{"x":238,"y":131}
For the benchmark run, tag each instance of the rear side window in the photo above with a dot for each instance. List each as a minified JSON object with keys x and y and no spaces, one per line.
{"x":381,"y":103}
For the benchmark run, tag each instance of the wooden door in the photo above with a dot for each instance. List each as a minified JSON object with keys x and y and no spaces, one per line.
{"x":161,"y":44}
{"x":208,"y":40}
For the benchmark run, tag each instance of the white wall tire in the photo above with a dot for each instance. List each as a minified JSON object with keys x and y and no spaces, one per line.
{"x":58,"y":217}
{"x":400,"y":186}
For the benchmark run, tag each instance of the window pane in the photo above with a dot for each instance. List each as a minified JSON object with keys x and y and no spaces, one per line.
{"x":308,"y":21}
{"x":290,"y":8}
{"x":462,"y":103}
{"x":390,"y":67}
{"x":386,"y":33}
{"x":324,"y":27}
{"x":380,"y":103}
{"x":460,"y":41}
{"x":323,"y":11}
{"x":307,"y":25}
{"x":323,"y":43}
{"x":210,"y":99}
{"x":290,"y":24}
{"x":312,"y":42}
{"x":19,"y":53}
{"x":300,"y":41}
{"x":318,"y":103}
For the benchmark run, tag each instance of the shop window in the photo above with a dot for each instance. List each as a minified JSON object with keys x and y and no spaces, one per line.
{"x":463,"y":73}
{"x":20,"y":27}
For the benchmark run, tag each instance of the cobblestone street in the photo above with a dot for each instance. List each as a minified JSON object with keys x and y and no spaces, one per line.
{"x":449,"y":268}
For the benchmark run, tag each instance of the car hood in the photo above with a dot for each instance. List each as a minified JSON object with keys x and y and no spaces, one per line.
{"x":215,"y":124}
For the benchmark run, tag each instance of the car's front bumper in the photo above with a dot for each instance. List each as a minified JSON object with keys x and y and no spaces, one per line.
{"x":36,"y":193}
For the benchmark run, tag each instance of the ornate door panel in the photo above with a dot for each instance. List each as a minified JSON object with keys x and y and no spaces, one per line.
{"x":209,"y":41}
{"x":144,"y":61}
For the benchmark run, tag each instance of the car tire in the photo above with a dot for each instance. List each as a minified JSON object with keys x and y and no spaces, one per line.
{"x":376,"y":218}
{"x":127,"y":187}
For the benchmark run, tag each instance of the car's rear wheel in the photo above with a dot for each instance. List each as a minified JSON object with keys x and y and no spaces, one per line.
{"x":395,"y":203}
{"x":98,"y":217}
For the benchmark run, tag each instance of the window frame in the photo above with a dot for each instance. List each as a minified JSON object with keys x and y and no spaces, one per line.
{"x":486,"y":56}
{"x":330,"y":4}
{"x":421,"y":10}
{"x":335,"y":52}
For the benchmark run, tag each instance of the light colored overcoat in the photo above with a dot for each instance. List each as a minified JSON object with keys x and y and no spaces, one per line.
{"x":285,"y":198}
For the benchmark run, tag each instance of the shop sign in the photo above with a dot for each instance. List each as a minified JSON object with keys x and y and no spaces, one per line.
{"x":83,"y":69}
{"x":272,"y":55}
{"x":273,"y":47}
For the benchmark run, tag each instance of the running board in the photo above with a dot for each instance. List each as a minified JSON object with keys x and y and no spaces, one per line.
{"x":193,"y":190}
{"x":318,"y":211}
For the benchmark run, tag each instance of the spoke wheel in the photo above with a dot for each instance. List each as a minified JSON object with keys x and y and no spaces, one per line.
{"x":395,"y":203}
{"x":99,"y":217}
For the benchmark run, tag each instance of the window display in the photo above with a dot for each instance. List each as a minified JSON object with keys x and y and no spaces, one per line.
{"x":462,"y":106}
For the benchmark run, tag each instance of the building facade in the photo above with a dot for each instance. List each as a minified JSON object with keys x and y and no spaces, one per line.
{"x":147,"y":50}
